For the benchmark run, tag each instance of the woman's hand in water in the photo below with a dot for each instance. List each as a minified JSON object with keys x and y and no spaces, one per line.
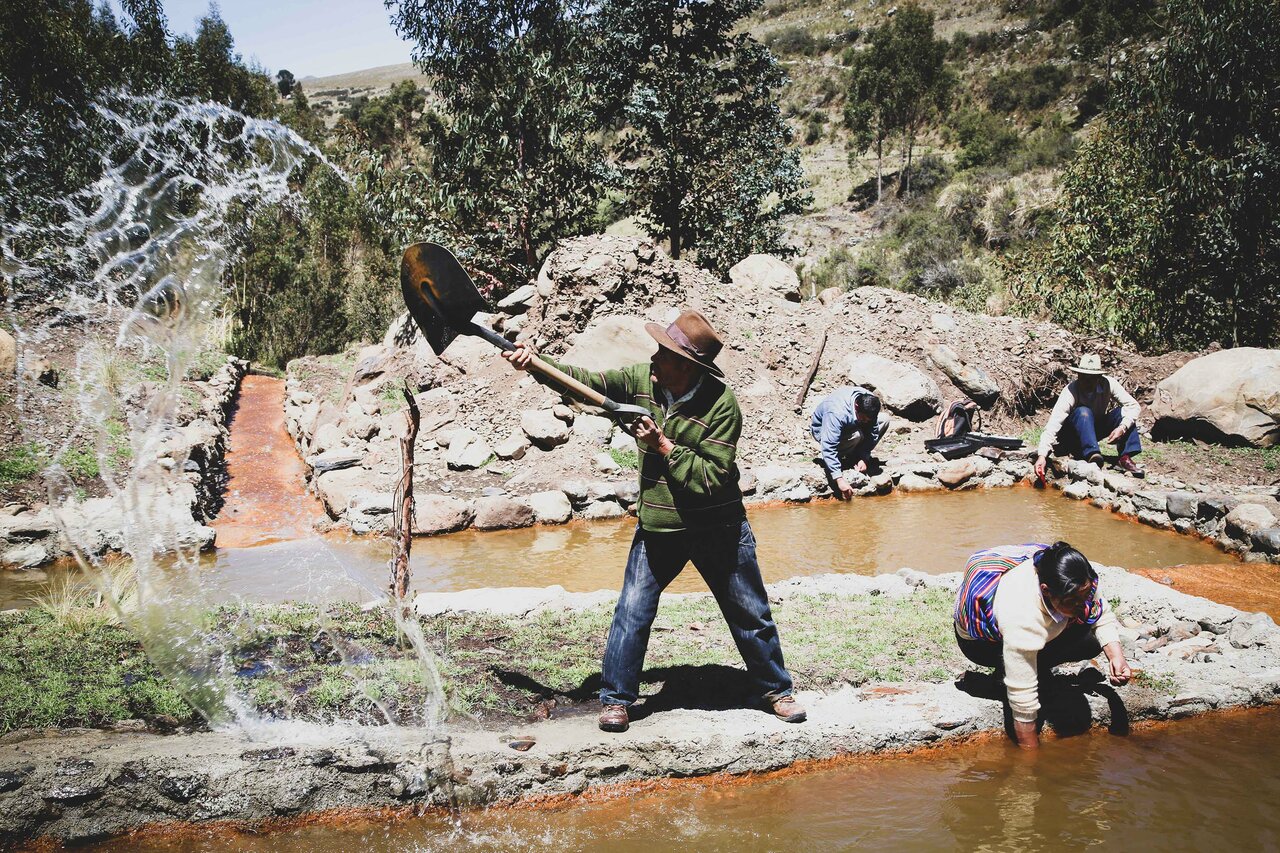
{"x":1028,"y":737}
{"x":521,"y":355}
{"x":1120,"y":671}
{"x":1040,"y":463}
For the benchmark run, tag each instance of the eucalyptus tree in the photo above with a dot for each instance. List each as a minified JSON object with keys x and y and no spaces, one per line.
{"x":514,"y":161}
{"x":898,"y":83}
{"x":701,"y":143}
{"x":1169,"y":234}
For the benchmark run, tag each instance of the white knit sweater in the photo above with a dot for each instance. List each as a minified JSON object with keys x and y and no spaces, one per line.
{"x":1027,"y":625}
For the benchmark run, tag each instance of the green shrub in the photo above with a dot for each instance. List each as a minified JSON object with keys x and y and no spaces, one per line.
{"x":984,"y":138}
{"x":626,"y":457}
{"x":813,"y":129}
{"x":1026,"y":89}
{"x":792,"y":41}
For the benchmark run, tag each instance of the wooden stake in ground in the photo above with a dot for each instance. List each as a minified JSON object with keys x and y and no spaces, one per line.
{"x":813,"y":370}
{"x":403,"y":519}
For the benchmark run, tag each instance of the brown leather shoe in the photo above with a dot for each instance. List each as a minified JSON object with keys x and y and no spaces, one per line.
{"x":614,"y":718}
{"x":1095,"y":459}
{"x":787,"y":709}
{"x":1126,"y":464}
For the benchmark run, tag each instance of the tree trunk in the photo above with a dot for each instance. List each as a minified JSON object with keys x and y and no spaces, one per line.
{"x":879,"y":167}
{"x":911,"y":144}
{"x":404,"y":503}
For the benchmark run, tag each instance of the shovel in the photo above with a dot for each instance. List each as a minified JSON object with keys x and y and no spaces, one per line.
{"x":442,"y":300}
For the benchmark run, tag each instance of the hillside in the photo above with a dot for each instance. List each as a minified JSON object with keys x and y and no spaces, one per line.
{"x":329,"y":95}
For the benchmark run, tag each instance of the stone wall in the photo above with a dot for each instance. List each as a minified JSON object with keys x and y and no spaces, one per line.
{"x":1244,"y":520}
{"x":177,"y":508}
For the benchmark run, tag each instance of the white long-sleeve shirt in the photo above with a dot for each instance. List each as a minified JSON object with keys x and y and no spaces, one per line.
{"x":1107,"y":395}
{"x":1027,"y":625}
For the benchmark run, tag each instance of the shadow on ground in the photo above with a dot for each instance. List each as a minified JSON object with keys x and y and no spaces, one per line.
{"x":706,"y":687}
{"x":1064,"y":700}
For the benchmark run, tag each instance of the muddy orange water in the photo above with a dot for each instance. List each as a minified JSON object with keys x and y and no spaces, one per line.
{"x":933,"y":533}
{"x":1209,"y":783}
{"x":266,"y":499}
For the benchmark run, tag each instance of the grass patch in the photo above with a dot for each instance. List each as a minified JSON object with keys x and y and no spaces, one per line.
{"x":20,"y":463}
{"x":626,"y":457}
{"x":1162,"y":683}
{"x":298,"y":662}
{"x":81,"y":462}
{"x":80,"y":674}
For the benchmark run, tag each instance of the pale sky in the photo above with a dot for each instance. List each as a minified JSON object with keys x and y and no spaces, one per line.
{"x":311,"y":38}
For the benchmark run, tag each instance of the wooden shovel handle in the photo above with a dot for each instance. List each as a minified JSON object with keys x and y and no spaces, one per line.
{"x":537,"y":365}
{"x":567,"y":382}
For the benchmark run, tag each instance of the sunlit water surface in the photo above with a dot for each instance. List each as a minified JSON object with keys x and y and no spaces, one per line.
{"x":933,"y":533}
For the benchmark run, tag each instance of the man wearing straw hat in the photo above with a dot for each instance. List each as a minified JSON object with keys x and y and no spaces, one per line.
{"x":1092,"y":408}
{"x":689,"y":509}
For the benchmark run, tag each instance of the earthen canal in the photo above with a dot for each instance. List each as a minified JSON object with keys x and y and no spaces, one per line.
{"x":1207,"y":783}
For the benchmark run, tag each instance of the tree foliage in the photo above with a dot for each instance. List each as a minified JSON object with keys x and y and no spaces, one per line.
{"x":1168,"y":234}
{"x":285,"y":82}
{"x":897,"y":84}
{"x":700,"y":138}
{"x":515,"y":165}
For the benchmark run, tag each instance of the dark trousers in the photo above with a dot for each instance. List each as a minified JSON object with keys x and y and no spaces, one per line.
{"x":725,"y":556}
{"x":1076,"y":642}
{"x":1083,"y":431}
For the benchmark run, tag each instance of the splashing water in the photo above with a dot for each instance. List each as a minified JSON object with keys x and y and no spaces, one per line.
{"x":133,"y":266}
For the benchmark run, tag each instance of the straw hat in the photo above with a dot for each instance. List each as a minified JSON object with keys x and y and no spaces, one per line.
{"x":690,"y":337}
{"x":1090,"y":364}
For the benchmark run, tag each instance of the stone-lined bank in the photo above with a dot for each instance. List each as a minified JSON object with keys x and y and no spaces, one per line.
{"x":1194,"y":656}
{"x":1244,"y":520}
{"x":178,"y":508}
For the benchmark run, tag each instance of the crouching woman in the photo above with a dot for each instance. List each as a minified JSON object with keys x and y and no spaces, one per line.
{"x":1024,"y":609}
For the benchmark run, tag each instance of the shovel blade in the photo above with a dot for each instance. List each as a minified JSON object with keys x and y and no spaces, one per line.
{"x":439,"y":294}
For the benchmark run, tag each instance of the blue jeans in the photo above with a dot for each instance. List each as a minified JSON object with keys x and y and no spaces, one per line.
{"x":1088,"y":430}
{"x":725,"y":556}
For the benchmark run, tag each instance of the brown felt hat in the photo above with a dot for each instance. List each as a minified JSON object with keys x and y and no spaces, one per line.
{"x":690,"y":337}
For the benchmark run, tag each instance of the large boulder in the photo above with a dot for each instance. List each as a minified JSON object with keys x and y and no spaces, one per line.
{"x":501,"y":513}
{"x":610,"y":343}
{"x":337,"y":487}
{"x":544,"y":428}
{"x":970,"y":379}
{"x":905,"y":389}
{"x":1248,"y":519}
{"x":467,"y":451}
{"x":766,"y":273}
{"x":1231,"y":396}
{"x":551,"y":507}
{"x":434,"y":514}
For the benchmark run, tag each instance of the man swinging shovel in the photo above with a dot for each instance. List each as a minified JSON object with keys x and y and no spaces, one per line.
{"x":686,"y":422}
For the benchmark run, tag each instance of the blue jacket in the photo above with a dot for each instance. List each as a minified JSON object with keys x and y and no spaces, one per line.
{"x":834,"y":423}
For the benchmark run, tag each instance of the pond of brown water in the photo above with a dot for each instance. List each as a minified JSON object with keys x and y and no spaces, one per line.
{"x":1209,"y":783}
{"x":933,"y":533}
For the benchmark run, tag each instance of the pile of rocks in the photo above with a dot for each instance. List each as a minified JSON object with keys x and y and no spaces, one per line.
{"x":491,"y":435}
{"x":172,"y":509}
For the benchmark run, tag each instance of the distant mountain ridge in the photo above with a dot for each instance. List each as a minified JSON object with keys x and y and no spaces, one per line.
{"x":381,"y":77}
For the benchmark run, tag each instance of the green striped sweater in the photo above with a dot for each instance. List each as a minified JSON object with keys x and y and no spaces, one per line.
{"x":696,"y":486}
